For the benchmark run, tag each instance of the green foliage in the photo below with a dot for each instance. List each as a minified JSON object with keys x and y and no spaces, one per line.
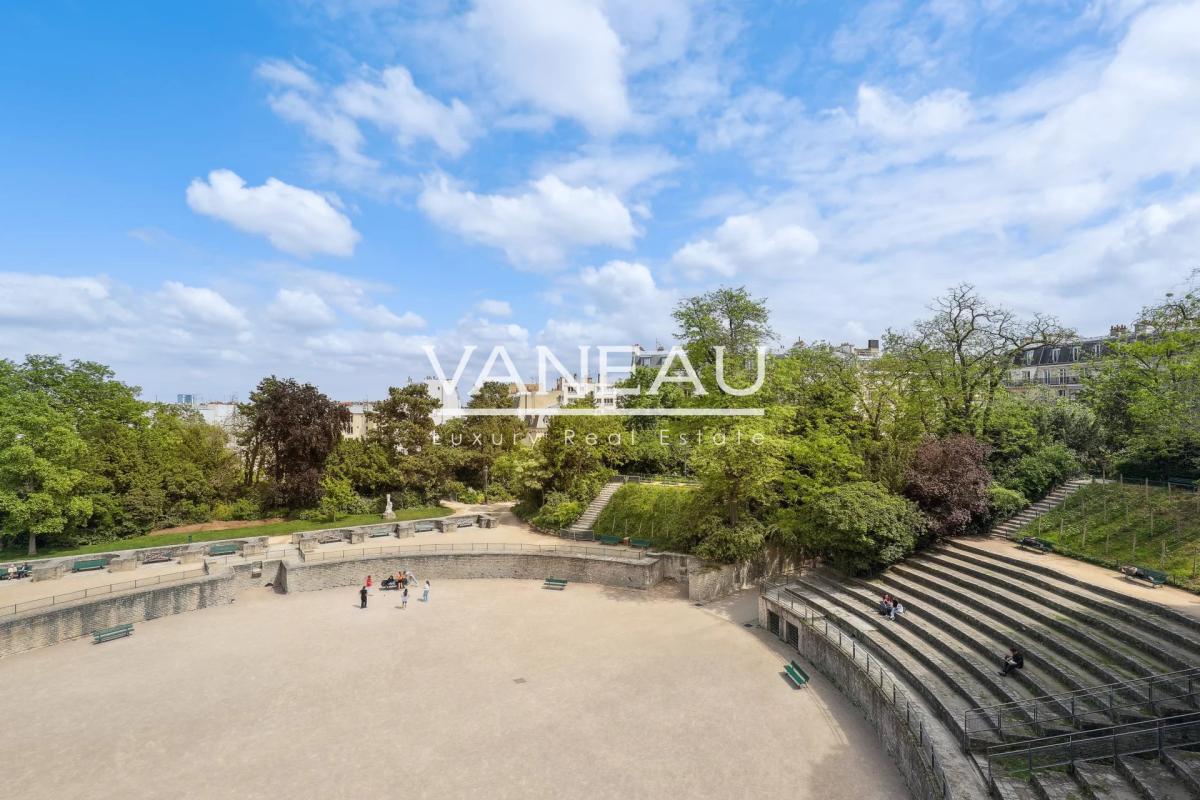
{"x":725,"y":317}
{"x":337,"y":498}
{"x":1037,"y":473}
{"x":861,"y":527}
{"x":559,"y":511}
{"x":667,"y":515}
{"x":726,"y":543}
{"x":1130,"y":523}
{"x":1002,"y":504}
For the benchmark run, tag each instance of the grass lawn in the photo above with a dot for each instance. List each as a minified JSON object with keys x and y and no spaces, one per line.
{"x":1114,"y":524}
{"x":274,"y":529}
{"x":659,"y":513}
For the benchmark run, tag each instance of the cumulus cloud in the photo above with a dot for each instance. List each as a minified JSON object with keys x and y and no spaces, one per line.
{"x":49,"y":300}
{"x":745,"y":243}
{"x":294,"y":220}
{"x":494,"y":308}
{"x":393,"y":103}
{"x":557,"y":56}
{"x":534,"y":227}
{"x":300,"y":309}
{"x":197,"y":305}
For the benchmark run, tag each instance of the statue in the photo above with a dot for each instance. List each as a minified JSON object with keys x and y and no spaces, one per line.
{"x":388,"y":513}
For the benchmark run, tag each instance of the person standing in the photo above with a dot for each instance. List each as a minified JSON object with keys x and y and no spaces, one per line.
{"x":404,"y":599}
{"x":425,"y":594}
{"x":362,"y":597}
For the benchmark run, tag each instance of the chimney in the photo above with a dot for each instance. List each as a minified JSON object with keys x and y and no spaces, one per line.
{"x":873,"y":345}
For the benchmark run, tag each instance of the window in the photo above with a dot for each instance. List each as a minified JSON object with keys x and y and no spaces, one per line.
{"x":1028,"y":356}
{"x":1055,"y":355}
{"x":1074,"y":353}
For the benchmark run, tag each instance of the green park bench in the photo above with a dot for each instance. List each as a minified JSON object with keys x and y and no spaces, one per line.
{"x":423,"y":526}
{"x":115,"y":632}
{"x":1036,"y":545}
{"x":223,"y":549}
{"x":89,"y":563}
{"x":555,"y":583}
{"x":798,"y":676}
{"x":645,"y":544}
{"x":1151,"y":576}
{"x":610,"y":540}
{"x":375,"y":534}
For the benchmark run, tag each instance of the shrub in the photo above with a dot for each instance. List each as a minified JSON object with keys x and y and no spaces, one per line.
{"x":1038,"y":472}
{"x":1002,"y":504}
{"x":559,"y":511}
{"x":948,"y":480}
{"x":860,"y":527}
{"x":724,"y":544}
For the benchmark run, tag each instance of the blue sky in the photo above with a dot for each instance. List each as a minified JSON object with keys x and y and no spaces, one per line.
{"x":204,"y":194}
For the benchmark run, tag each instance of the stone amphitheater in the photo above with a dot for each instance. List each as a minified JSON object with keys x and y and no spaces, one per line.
{"x":1105,"y":707}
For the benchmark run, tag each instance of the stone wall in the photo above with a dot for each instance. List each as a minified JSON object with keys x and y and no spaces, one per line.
{"x":708,"y":582}
{"x":625,"y":573}
{"x":46,"y":626}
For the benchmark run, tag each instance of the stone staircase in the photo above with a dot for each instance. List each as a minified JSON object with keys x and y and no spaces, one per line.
{"x":1028,"y":514}
{"x":582,"y":527}
{"x":967,"y":605}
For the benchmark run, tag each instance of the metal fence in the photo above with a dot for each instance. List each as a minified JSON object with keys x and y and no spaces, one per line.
{"x":97,"y":591}
{"x":877,"y":676}
{"x":1152,"y":736}
{"x":1088,"y":706}
{"x":477,"y":547}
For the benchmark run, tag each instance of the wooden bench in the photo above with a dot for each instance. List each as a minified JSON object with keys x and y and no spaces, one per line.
{"x":1151,"y":576}
{"x":555,"y":583}
{"x":645,"y":544}
{"x":115,"y":632}
{"x":610,"y":540}
{"x":88,"y":564}
{"x":1036,"y":545}
{"x":223,"y":549}
{"x":799,"y":676}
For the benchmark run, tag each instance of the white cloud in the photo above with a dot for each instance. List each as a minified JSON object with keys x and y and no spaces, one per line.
{"x":745,"y":243}
{"x":286,"y":73}
{"x":294,"y":220}
{"x":300,"y":309}
{"x":535,"y":227}
{"x":618,"y":170}
{"x":197,"y":305}
{"x":935,"y":114}
{"x":381,"y":317}
{"x":494,"y":308}
{"x":48,"y":300}
{"x":560,"y":56}
{"x":393,"y":103}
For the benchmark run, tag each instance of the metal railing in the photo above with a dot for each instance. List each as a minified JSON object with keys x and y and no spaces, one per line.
{"x":1023,"y":759}
{"x":877,"y":676}
{"x":96,"y":591}
{"x":1085,"y":705}
{"x":476,"y":547}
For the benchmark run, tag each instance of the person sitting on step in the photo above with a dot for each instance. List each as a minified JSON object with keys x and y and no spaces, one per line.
{"x":1014,"y":660}
{"x":897,"y":609}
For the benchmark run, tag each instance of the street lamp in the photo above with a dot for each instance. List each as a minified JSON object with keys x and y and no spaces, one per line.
{"x":485,"y":485}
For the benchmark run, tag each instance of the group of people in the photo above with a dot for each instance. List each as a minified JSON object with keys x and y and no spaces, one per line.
{"x":400,"y":582}
{"x":13,"y":572}
{"x":890,"y":606}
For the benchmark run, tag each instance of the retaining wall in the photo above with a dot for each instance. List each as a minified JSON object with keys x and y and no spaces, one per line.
{"x":625,"y":573}
{"x":707,"y":583}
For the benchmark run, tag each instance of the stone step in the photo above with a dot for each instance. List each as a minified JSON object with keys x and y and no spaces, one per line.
{"x":1054,"y":785}
{"x":1153,"y":779}
{"x":885,"y":640}
{"x":1171,"y":652}
{"x":1135,"y":654}
{"x":1013,"y":789}
{"x":1157,"y":612}
{"x":1091,"y":660}
{"x":1043,"y":674}
{"x":944,"y":699}
{"x":1102,"y":782}
{"x":1037,"y":580}
{"x":1186,"y":766}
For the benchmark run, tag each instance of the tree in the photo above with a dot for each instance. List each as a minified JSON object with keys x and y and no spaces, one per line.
{"x":724,"y":317}
{"x":949,"y":480}
{"x":739,"y":465}
{"x":289,"y":432}
{"x":861,"y":527}
{"x":964,"y":351}
{"x":39,"y":479}
{"x":403,"y":423}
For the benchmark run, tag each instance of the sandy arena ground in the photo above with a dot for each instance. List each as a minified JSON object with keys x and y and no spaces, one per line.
{"x":495,"y":689}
